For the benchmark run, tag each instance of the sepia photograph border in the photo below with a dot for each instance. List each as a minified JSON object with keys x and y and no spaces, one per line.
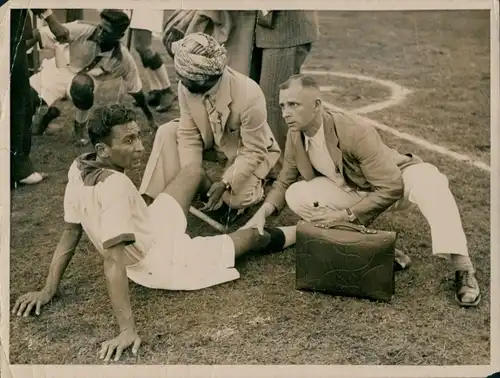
{"x":110,"y":370}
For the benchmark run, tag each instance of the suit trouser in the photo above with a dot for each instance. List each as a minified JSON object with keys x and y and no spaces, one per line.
{"x":164,"y":165}
{"x":270,"y":68}
{"x":424,"y":186}
{"x":21,"y":112}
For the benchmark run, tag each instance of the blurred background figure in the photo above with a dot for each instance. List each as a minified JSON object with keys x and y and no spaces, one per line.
{"x":144,"y":23}
{"x":63,"y":16}
{"x":68,"y":15}
{"x":267,"y":46}
{"x":21,"y":104}
{"x":93,"y":56}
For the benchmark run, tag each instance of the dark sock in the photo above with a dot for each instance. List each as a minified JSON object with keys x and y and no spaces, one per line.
{"x":149,"y":200}
{"x":277,"y":241}
{"x":52,"y":113}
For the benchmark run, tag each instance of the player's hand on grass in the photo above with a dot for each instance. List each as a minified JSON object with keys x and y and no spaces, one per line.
{"x":25,"y":304}
{"x":119,"y":344}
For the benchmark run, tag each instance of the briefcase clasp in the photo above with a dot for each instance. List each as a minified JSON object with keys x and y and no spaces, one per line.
{"x":350,"y":226}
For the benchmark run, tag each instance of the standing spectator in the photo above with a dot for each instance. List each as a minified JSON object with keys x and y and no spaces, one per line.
{"x":267,"y":46}
{"x":283,"y":40}
{"x":21,"y":110}
{"x":145,"y":22}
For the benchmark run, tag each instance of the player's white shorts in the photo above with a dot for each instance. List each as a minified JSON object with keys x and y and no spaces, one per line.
{"x":53,"y":83}
{"x":177,"y":262}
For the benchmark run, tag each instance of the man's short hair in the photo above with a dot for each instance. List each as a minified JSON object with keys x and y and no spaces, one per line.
{"x":306,"y":81}
{"x":81,"y":91}
{"x":103,"y":120}
{"x":118,"y":19}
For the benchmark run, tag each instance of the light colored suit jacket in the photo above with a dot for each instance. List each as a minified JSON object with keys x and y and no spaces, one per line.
{"x":359,"y":154}
{"x":247,"y":141}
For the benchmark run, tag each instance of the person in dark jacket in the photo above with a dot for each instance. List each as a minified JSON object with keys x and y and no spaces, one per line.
{"x":21,"y":105}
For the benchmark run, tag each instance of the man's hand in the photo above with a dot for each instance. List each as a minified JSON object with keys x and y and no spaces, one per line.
{"x":214,"y":195}
{"x":324,"y":216}
{"x":60,"y":31}
{"x":26,"y":302}
{"x":119,"y":344}
{"x":258,"y":221}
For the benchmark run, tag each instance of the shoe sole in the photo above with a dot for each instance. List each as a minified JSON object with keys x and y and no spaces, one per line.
{"x":464,"y":304}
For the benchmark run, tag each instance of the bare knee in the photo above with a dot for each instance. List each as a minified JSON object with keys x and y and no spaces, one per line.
{"x":149,"y":58}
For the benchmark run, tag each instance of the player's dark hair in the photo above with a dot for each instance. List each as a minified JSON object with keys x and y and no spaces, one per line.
{"x":82,"y":91}
{"x":103,"y":120}
{"x":306,"y":81}
{"x":118,"y":19}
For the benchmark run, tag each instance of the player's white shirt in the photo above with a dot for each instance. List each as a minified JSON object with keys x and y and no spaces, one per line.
{"x":111,"y":211}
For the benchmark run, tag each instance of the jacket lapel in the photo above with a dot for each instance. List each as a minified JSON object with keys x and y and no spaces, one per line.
{"x":200,"y":117}
{"x":332,"y":141}
{"x":223,"y":99}
{"x":301,"y":158}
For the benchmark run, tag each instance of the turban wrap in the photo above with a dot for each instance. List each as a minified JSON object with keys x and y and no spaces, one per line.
{"x":198,"y":56}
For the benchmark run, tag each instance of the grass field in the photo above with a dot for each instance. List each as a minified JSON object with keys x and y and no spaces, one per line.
{"x":443,"y":58}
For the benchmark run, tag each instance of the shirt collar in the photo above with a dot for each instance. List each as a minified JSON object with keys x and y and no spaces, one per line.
{"x":93,"y":171}
{"x":319,"y":133}
{"x":212,"y":93}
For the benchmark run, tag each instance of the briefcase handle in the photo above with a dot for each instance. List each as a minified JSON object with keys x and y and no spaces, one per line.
{"x":349,"y":226}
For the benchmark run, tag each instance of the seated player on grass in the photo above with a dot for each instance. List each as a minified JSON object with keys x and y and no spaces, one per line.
{"x":147,"y":244}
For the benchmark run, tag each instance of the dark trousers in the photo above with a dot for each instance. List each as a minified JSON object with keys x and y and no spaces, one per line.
{"x":21,"y":112}
{"x":270,"y":68}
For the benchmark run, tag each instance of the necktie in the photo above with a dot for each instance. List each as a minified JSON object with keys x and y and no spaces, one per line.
{"x":214,"y":118}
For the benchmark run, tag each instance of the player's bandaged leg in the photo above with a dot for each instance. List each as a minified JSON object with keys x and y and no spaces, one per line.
{"x":43,"y":113}
{"x":161,"y":93}
{"x":49,"y":85}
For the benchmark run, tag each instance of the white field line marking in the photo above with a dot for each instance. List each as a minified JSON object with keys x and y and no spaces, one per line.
{"x":398,"y":94}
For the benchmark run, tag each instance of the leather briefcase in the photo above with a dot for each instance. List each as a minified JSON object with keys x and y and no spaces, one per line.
{"x":346,"y":260}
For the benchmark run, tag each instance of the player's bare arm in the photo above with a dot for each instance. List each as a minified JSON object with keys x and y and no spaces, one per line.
{"x":118,"y":290}
{"x":62,"y":256}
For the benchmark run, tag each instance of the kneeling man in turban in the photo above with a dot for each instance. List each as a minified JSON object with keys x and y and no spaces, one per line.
{"x":222,"y":117}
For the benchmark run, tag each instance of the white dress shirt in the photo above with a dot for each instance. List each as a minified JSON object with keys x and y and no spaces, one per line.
{"x":320,"y":157}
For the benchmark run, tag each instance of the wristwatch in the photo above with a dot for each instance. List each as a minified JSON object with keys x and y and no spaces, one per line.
{"x":226,"y":184}
{"x":352,"y":218}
